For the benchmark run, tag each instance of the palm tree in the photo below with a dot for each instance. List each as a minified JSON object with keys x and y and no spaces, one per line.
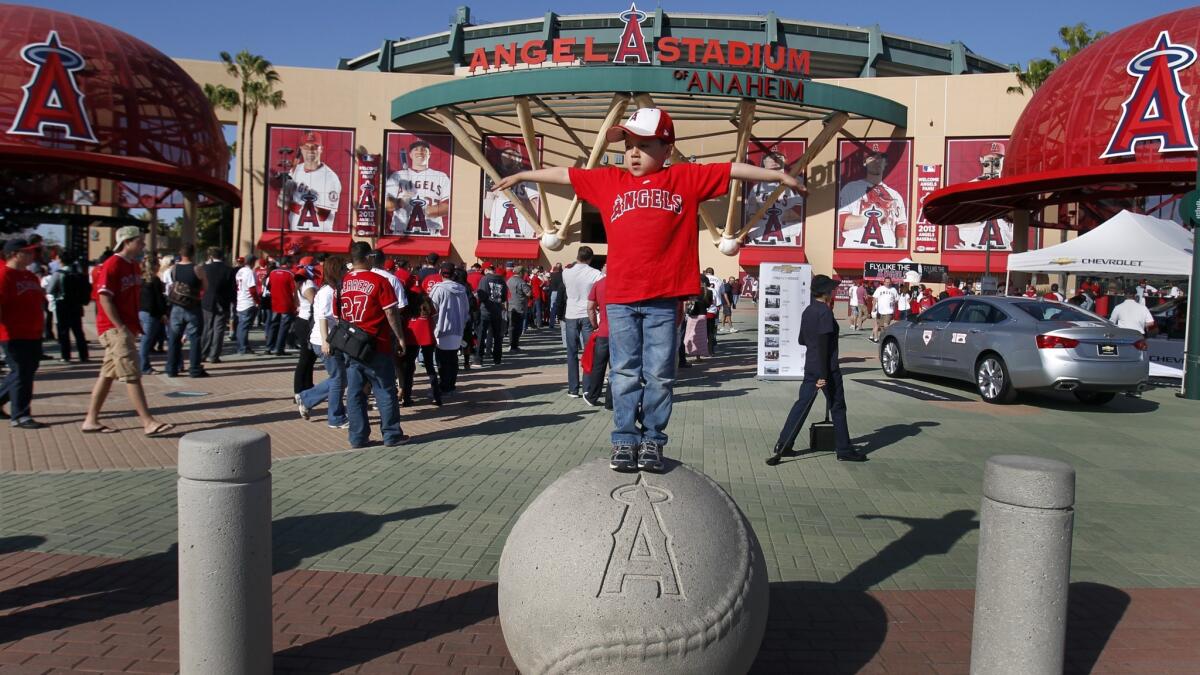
{"x":257,"y":78}
{"x":1076,"y":38}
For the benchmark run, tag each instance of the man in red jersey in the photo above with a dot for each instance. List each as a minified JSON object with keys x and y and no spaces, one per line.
{"x":117,"y":324}
{"x":369,"y":302}
{"x":649,"y":212}
{"x":21,"y":323}
{"x":281,"y":288}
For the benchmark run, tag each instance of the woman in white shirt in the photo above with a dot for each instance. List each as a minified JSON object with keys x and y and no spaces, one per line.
{"x":323,"y":305}
{"x":306,"y":290}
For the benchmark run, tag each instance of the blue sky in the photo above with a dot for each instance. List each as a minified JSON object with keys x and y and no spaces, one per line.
{"x":316,"y":34}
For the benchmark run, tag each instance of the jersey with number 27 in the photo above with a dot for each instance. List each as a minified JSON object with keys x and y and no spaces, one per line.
{"x":365,"y":298}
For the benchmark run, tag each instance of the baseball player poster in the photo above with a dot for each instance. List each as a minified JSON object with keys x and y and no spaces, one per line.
{"x":500,"y":218}
{"x":318,"y":162}
{"x":416,"y":196}
{"x":969,"y":160}
{"x":783,"y":223}
{"x":874,"y":181}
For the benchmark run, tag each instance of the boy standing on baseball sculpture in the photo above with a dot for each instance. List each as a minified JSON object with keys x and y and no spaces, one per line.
{"x":649,"y":212}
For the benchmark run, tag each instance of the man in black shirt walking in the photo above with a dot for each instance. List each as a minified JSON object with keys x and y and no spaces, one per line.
{"x":492,"y":295}
{"x":819,"y":334}
{"x":218,"y":297}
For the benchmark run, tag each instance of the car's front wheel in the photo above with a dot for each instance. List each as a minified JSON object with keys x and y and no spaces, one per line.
{"x":992,"y":380}
{"x":1094,"y":397}
{"x":889,"y":356}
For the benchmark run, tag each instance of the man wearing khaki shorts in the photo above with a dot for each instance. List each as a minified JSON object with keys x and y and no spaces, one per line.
{"x":118,"y":290}
{"x":886,"y":298}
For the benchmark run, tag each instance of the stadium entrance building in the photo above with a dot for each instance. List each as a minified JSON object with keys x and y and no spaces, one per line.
{"x":403,"y":143}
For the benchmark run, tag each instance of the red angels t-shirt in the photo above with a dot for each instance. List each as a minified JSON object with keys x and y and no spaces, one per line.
{"x":650,"y":220}
{"x":121,"y":280}
{"x":365,"y":296}
{"x":953,"y":291}
{"x":282,"y":283}
{"x":21,"y":297}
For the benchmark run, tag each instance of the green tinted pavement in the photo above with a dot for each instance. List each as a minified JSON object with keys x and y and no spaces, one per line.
{"x":441,"y":506}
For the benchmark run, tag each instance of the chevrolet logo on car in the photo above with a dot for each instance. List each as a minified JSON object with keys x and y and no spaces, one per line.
{"x":1063,"y":261}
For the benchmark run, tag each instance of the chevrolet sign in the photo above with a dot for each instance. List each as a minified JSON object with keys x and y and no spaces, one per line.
{"x":1063,"y":261}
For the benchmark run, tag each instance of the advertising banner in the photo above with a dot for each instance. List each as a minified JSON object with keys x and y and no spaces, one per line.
{"x":366,"y":205}
{"x":970,"y":160}
{"x":317,"y":162}
{"x":783,"y":295}
{"x":417,"y":194}
{"x":899,"y":270}
{"x":783,"y":223}
{"x":874,"y":181}
{"x":500,"y":218}
{"x":925,"y":234}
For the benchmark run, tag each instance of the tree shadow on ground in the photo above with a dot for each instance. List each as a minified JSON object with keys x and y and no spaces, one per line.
{"x":122,"y":586}
{"x":839,"y":627}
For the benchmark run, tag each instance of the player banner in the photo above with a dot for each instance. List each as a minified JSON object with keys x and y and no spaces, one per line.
{"x":500,"y":218}
{"x":925,"y":233}
{"x":874,"y":181}
{"x":783,"y":223}
{"x":417,"y":196}
{"x":969,"y":160}
{"x":784,"y":293}
{"x":317,"y":162}
{"x":366,"y":206}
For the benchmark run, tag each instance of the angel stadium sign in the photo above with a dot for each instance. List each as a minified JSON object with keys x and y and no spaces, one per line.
{"x":634,"y":49}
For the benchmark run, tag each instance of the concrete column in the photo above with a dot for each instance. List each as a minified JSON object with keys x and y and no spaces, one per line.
{"x":1024,"y":566}
{"x":225,"y":552}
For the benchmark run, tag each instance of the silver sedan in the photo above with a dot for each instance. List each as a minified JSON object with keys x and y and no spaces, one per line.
{"x":1007,"y":344}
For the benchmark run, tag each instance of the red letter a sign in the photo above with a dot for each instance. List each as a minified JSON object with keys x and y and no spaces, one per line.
{"x":632,"y":44}
{"x":1155,"y":110}
{"x":52,"y":97}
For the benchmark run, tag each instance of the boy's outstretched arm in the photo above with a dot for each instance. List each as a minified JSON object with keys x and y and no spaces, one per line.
{"x":757,"y":174}
{"x":557,"y":175}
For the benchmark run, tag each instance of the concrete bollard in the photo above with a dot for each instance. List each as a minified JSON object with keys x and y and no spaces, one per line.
{"x":225,"y":552}
{"x":1024,"y":567}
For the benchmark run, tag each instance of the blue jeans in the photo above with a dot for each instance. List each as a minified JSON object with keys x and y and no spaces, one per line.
{"x":332,"y":388}
{"x":835,"y":398}
{"x":152,"y":332}
{"x":244,"y":319}
{"x":552,"y":312}
{"x":279,"y":326}
{"x":575,"y":333}
{"x":381,"y":374}
{"x":189,"y":322}
{"x":642,"y":342}
{"x":23,"y":358}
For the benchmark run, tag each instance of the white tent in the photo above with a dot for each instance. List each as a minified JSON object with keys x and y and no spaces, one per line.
{"x":1128,"y":244}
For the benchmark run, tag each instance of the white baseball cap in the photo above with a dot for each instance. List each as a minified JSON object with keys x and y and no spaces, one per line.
{"x":645,"y":123}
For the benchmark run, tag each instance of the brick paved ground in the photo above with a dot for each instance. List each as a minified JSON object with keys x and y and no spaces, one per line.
{"x":882,"y":553}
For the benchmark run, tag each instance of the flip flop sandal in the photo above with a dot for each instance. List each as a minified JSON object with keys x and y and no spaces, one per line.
{"x":160,"y":429}
{"x":100,"y":430}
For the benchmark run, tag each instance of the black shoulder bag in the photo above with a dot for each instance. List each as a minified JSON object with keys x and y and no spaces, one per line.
{"x":351,"y":340}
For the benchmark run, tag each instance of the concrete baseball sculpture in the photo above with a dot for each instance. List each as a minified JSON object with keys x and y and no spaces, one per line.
{"x":607,"y":572}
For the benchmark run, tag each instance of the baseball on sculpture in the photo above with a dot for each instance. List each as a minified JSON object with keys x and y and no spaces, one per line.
{"x":551,"y":241}
{"x":622,"y":573}
{"x":729,"y":245}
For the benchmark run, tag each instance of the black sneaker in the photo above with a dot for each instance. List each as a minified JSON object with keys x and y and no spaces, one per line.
{"x":588,"y":400}
{"x":622,"y":458}
{"x":851,"y":456}
{"x":402,"y":440}
{"x":30,"y":423}
{"x":649,"y":457}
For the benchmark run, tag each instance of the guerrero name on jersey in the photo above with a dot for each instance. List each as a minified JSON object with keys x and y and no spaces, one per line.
{"x":314,"y":200}
{"x":413,"y":193}
{"x":881,"y":206}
